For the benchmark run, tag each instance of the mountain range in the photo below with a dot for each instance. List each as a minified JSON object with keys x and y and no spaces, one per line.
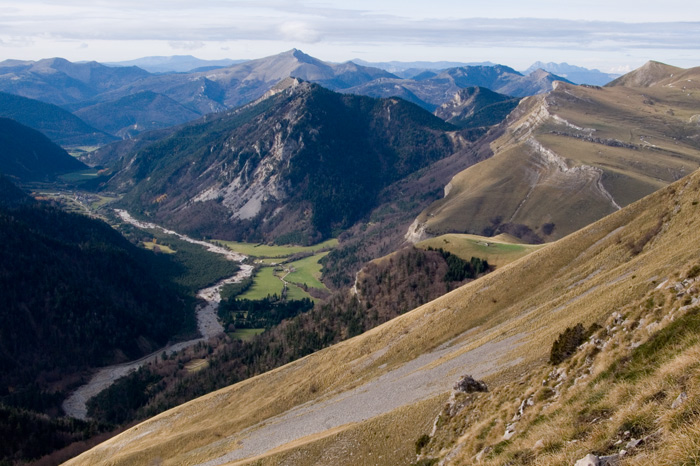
{"x":174,"y":63}
{"x":127,"y":100}
{"x":58,"y":124}
{"x":575,"y":74}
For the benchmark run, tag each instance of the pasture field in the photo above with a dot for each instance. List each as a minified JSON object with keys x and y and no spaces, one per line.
{"x":274,"y":251}
{"x":152,"y":245}
{"x":294,"y":292}
{"x":498,"y":251}
{"x":246,"y":334}
{"x":265,"y":283}
{"x":307,"y":270}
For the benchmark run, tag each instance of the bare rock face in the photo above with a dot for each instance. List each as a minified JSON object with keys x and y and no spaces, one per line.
{"x":679,"y":401}
{"x":588,"y":460}
{"x":593,"y":460}
{"x":468,"y":384}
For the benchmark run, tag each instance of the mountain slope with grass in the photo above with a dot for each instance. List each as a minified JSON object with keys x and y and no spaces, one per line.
{"x":370,"y":398}
{"x":574,"y":155}
{"x":293,"y":167}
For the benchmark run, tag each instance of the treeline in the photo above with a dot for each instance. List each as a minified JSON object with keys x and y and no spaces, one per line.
{"x":458,"y":269}
{"x":260,"y":313}
{"x":191,"y":267}
{"x":412,"y":276}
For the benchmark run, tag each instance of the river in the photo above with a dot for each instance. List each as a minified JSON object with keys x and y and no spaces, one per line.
{"x":207,"y":324}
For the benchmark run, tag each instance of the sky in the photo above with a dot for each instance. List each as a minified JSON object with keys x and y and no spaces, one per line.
{"x":611,"y":35}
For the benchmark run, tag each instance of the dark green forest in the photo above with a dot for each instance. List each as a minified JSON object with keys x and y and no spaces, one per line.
{"x":74,"y":293}
{"x":29,"y":155}
{"x":412,"y":276}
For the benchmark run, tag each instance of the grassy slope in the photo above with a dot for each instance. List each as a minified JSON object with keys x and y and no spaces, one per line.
{"x":582,"y":278}
{"x":520,"y":184}
{"x":498,"y":251}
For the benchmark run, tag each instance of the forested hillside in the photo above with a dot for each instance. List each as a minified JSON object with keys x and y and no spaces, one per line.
{"x":294,"y":167}
{"x":28,"y":155}
{"x":386,"y":289}
{"x":74,"y":293}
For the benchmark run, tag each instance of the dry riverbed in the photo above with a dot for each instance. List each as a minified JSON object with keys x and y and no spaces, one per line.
{"x":207,"y":324}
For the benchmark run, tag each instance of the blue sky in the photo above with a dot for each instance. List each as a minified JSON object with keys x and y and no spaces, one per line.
{"x":613,"y":35}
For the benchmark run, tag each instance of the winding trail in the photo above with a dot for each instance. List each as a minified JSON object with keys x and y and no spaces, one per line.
{"x":207,"y":324}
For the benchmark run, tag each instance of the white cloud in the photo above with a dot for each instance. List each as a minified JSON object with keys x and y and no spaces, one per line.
{"x":186,"y":44}
{"x":299,"y":32}
{"x":439,"y":29}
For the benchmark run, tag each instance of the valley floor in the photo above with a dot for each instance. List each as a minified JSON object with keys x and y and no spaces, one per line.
{"x":207,"y":324}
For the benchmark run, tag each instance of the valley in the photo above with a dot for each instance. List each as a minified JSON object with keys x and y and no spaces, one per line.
{"x":584,"y":277}
{"x":208,"y":326}
{"x":292,"y":261}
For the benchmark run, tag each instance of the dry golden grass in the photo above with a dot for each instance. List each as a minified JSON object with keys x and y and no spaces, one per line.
{"x":581,"y":126}
{"x":613,"y":265}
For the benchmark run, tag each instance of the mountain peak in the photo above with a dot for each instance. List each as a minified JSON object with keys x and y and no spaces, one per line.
{"x":648,"y":75}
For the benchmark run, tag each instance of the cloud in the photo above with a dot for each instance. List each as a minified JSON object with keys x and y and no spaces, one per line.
{"x":186,"y":45}
{"x":299,"y":32}
{"x":368,"y":24}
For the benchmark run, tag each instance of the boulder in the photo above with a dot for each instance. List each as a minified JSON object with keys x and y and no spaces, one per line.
{"x":468,"y":384}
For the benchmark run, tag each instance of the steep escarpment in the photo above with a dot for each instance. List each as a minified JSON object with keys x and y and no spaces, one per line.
{"x":575,"y":155}
{"x":293,"y":166}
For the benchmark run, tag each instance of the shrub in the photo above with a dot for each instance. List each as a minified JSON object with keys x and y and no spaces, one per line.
{"x":565,"y":346}
{"x":422,"y":442}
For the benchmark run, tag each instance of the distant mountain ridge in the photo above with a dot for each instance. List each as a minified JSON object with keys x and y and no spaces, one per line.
{"x":173,"y":63}
{"x":135,"y":113}
{"x":61,"y":126}
{"x":108,"y":91}
{"x":433,"y":91}
{"x":60,"y":82}
{"x":575,"y":74}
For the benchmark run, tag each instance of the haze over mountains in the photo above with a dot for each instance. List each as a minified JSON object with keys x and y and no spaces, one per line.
{"x":126,"y":100}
